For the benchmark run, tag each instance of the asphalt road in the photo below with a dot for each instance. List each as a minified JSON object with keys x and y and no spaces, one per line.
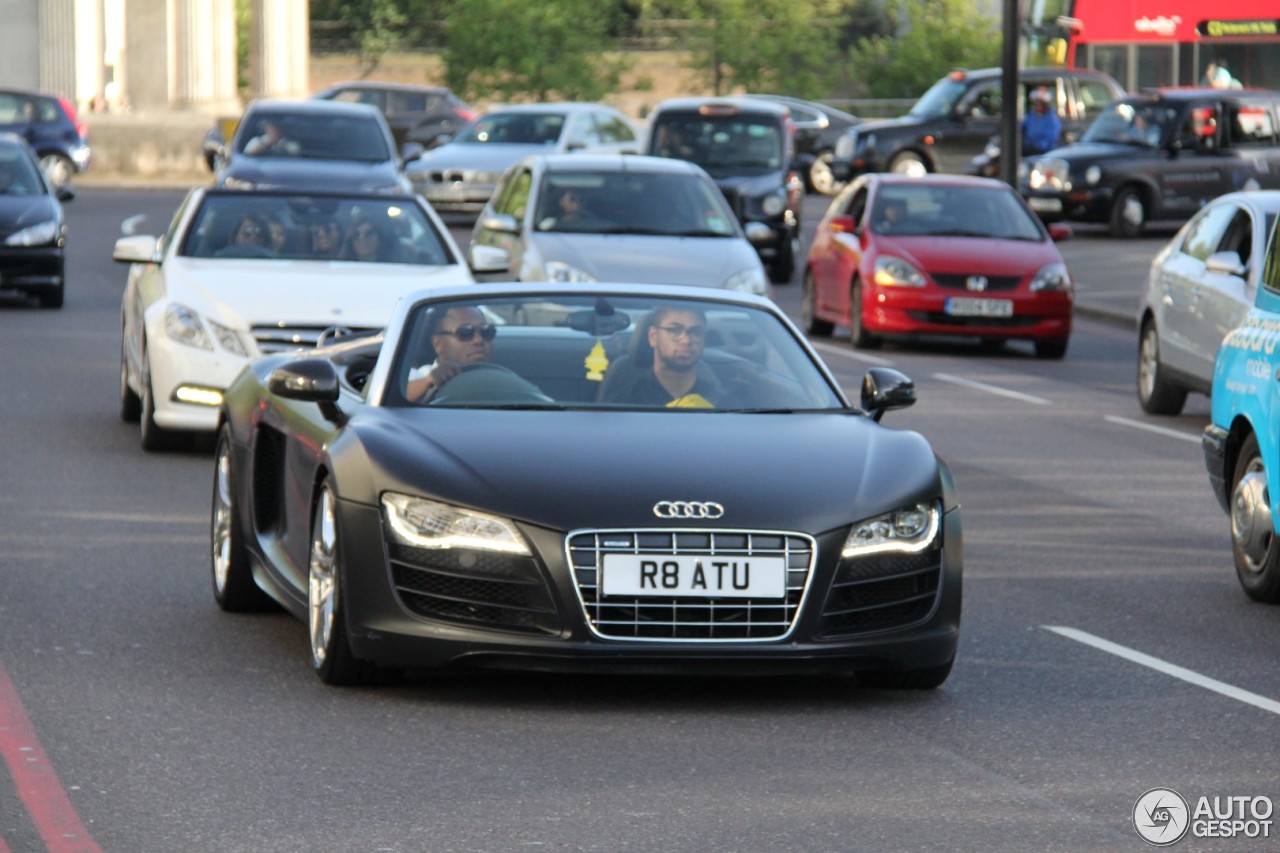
{"x":135,"y":716}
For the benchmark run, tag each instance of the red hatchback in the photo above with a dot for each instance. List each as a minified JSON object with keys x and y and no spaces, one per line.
{"x":937,"y":255}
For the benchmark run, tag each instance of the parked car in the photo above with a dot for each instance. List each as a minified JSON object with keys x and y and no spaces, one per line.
{"x":425,"y":115}
{"x":52,"y":127}
{"x":1160,"y":154}
{"x":619,"y":217}
{"x":745,"y":144}
{"x":33,"y":231}
{"x":1241,"y":444}
{"x":460,"y":175}
{"x":1201,"y":285}
{"x":937,"y":255}
{"x":816,"y":127}
{"x":305,"y":145}
{"x":955,"y":119}
{"x":242,"y":273}
{"x":410,"y":534}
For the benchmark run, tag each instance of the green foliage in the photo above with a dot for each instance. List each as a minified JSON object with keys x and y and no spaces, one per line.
{"x":548,"y":49}
{"x":937,"y":35}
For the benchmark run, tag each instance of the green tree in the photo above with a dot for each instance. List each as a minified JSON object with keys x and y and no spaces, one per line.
{"x":545,"y":50}
{"x":378,"y":27}
{"x":936,"y":36}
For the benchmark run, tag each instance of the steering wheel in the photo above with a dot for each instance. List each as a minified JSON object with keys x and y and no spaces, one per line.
{"x":486,"y":382}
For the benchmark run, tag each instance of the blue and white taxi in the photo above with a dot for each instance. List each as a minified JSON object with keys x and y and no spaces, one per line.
{"x":1242,"y":444}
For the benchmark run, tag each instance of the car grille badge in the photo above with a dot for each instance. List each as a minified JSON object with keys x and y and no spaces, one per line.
{"x":976,"y":283}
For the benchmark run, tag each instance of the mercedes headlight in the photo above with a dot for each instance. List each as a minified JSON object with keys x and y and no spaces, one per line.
{"x":904,"y":531}
{"x":423,"y":523}
{"x":183,"y":326}
{"x":34,"y":235}
{"x":895,"y":272}
{"x":228,"y":339}
{"x":562,"y":273}
{"x":1051,"y":277}
{"x":750,"y":280}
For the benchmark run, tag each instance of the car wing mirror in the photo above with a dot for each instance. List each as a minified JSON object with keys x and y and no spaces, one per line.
{"x":137,"y":249}
{"x":411,"y":151}
{"x":503,"y":223}
{"x":1225,"y":263}
{"x":884,"y":388}
{"x":308,"y":380}
{"x":490,"y":259}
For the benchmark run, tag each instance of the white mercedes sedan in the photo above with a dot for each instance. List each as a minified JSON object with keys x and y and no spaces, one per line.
{"x":242,"y":274}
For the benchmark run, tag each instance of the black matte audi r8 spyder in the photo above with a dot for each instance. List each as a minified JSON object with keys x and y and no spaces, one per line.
{"x":587,"y":478}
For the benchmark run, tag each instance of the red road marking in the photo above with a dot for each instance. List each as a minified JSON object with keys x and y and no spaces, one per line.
{"x":37,"y":783}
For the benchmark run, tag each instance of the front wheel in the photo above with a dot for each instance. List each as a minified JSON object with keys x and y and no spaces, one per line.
{"x":1128,"y":213}
{"x":808,"y":309}
{"x":58,"y":169}
{"x":331,"y":655}
{"x":1156,"y":394}
{"x":1254,"y":543}
{"x":859,"y":337}
{"x":909,"y":163}
{"x":233,"y":586}
{"x":821,"y":178}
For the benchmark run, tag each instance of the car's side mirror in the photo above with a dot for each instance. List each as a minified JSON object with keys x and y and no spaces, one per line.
{"x":1225,"y":263}
{"x":411,"y":151}
{"x":503,"y":223}
{"x":138,"y":249}
{"x":491,"y":259}
{"x":884,"y":388}
{"x":308,"y":380}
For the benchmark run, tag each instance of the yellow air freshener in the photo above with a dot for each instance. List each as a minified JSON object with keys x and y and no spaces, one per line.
{"x":596,"y":362}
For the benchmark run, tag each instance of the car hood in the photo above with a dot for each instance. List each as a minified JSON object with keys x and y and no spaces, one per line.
{"x":705,"y":261}
{"x":886,"y":125}
{"x":253,"y":292}
{"x":486,"y":157}
{"x":810,"y":472}
{"x":972,"y":256}
{"x":22,"y":211}
{"x":1088,"y":153}
{"x":306,"y":174}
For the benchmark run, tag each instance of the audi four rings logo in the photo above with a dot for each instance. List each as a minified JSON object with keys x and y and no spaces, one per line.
{"x":688,"y":509}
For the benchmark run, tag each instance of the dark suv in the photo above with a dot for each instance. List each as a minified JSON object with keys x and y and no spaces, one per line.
{"x":1160,"y":154}
{"x":745,"y":144}
{"x":952,"y":123}
{"x":424,"y":114}
{"x":53,"y":129}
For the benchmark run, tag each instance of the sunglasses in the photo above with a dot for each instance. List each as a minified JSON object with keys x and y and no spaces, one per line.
{"x":676,"y":330}
{"x":251,"y":230}
{"x":467,"y":332}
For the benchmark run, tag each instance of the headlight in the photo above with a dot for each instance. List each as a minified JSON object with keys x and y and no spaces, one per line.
{"x":1050,"y":173}
{"x":182,"y":325}
{"x":774,"y":203}
{"x":1092,"y":175}
{"x":904,"y":531}
{"x":1052,"y":277}
{"x":34,"y":235}
{"x":748,"y":281}
{"x":560,"y":272}
{"x":228,"y":339}
{"x":895,"y":272}
{"x":422,"y":523}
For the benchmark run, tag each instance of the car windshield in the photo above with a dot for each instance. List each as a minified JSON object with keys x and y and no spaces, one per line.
{"x":604,"y":352}
{"x":520,"y":128}
{"x":18,"y":175}
{"x":633,"y":203}
{"x":1145,"y":125}
{"x":371,"y":229}
{"x":919,"y":210}
{"x":940,"y":99}
{"x":721,"y":144}
{"x":315,"y":137}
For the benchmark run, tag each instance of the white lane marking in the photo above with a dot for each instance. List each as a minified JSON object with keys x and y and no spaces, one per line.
{"x":130,"y":226}
{"x":847,"y":352}
{"x":1158,"y":665}
{"x":991,"y":389}
{"x":1172,"y":433}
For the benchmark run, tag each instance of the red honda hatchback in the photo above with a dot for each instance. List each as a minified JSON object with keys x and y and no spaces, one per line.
{"x":937,"y":255}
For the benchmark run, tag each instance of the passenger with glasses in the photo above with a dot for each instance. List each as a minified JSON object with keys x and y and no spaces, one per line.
{"x":249,"y":240}
{"x":676,"y":377}
{"x":371,"y":242}
{"x":460,"y":336}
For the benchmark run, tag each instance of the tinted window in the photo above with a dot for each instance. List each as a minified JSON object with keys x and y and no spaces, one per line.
{"x":354,"y":138}
{"x":923,"y":210}
{"x":940,"y":99}
{"x":1271,"y":268}
{"x":614,"y":129}
{"x":633,"y":203}
{"x":514,"y":199}
{"x":1140,"y":123}
{"x":1253,"y":124}
{"x":720,"y":143}
{"x":520,"y":128}
{"x":1205,"y":232}
{"x":1093,"y":97}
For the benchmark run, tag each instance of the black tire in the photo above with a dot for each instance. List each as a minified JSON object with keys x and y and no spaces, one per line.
{"x":233,"y":586}
{"x":1052,"y":348}
{"x":152,"y":436}
{"x":1128,"y":213}
{"x":58,"y":169}
{"x":1157,"y":394}
{"x":819,"y":178}
{"x":808,"y":300}
{"x":859,"y":337}
{"x":1254,"y":545}
{"x":130,"y":403}
{"x":783,"y":266}
{"x":909,"y":163}
{"x":927,"y":678}
{"x":331,"y":655}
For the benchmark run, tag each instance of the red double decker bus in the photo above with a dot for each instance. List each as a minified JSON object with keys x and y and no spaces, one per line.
{"x":1158,"y":42}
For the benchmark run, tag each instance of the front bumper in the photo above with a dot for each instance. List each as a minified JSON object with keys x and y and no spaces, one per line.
{"x":176,"y":368}
{"x":447,"y":191}
{"x":1089,"y":205}
{"x":401,"y":617}
{"x":912,"y":311}
{"x":31,"y":270}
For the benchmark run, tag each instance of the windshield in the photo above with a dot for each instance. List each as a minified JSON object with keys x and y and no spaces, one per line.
{"x":721,"y":143}
{"x":18,"y":174}
{"x":1146,"y":125}
{"x":940,"y":100}
{"x":593,"y":351}
{"x":371,"y":229}
{"x":521,"y":128}
{"x":918,"y":210}
{"x":633,"y":203}
{"x":315,"y":137}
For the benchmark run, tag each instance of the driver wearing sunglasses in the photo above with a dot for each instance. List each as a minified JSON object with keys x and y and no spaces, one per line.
{"x":461,"y":336}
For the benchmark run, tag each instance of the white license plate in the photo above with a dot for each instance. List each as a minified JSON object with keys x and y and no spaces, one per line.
{"x":960,"y":306}
{"x":686,"y":576}
{"x":1045,"y":205}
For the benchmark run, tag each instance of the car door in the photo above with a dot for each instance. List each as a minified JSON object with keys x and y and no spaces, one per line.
{"x":1202,"y":166}
{"x":513,"y":197}
{"x":977,"y":120}
{"x":837,"y":251}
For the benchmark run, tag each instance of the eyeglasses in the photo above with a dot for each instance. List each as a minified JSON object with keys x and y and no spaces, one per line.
{"x":251,"y":230}
{"x":467,"y":332}
{"x":695,"y":333}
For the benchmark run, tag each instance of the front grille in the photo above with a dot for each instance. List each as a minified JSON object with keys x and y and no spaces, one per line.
{"x":469,"y":587}
{"x":283,"y":337}
{"x":960,"y":281}
{"x":881,"y":592}
{"x":685,"y":619}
